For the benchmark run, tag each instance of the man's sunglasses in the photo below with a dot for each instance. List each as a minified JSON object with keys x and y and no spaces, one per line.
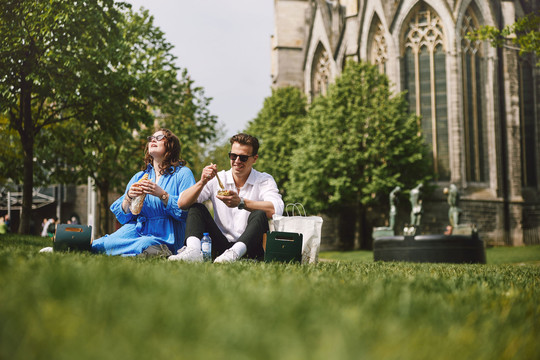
{"x":243,"y":158}
{"x":158,"y":137}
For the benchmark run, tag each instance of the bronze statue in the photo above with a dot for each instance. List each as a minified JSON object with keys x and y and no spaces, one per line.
{"x":453,"y":201}
{"x":393,"y":207}
{"x":416,"y":203}
{"x":389,"y":230}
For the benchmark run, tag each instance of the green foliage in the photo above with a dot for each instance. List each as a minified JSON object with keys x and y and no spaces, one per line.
{"x":277,"y":126}
{"x":53,"y":55}
{"x":11,"y":154}
{"x":359,"y":142}
{"x":524,"y":33}
{"x":219,"y":155}
{"x":70,"y":153}
{"x":145,"y":81}
{"x":83,"y":306}
{"x":81,"y":81}
{"x":186,"y":113}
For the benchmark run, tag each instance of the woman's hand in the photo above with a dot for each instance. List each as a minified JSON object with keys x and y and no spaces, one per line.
{"x":134,"y":191}
{"x":151,"y":188}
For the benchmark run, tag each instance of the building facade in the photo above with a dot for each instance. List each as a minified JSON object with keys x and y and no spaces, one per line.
{"x":479,"y":105}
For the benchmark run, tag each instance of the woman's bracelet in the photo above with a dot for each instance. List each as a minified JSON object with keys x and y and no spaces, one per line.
{"x":130,"y":199}
{"x":165,"y":197}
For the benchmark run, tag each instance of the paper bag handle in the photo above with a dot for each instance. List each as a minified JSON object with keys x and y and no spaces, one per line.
{"x":297,"y":207}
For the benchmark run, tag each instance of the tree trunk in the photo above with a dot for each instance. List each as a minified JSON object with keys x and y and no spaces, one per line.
{"x":104,"y":208}
{"x":364,"y":230}
{"x":347,"y":226}
{"x":26,"y":132}
{"x":28,"y":185}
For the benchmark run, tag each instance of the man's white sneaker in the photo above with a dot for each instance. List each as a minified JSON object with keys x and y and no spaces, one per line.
{"x":187,"y":254}
{"x":228,"y":256}
{"x":47,"y":249}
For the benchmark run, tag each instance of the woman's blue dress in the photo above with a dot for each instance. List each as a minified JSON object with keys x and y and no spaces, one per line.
{"x":156,"y":224}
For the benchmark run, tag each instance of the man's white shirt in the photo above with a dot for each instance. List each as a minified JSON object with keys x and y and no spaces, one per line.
{"x":232,"y":221}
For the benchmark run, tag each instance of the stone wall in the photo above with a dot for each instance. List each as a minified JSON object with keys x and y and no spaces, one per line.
{"x":503,"y":211}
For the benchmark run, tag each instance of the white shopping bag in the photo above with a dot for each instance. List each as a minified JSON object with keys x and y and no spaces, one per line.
{"x":309,"y":226}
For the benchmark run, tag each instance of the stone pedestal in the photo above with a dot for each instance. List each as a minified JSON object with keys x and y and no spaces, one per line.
{"x":382,"y":231}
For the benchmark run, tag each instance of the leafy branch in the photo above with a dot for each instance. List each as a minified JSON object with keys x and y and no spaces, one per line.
{"x":524,"y":34}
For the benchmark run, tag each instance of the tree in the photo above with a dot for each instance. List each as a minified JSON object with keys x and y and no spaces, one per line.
{"x":81,"y":79}
{"x":10,"y":152}
{"x":277,"y":126}
{"x":50,"y":55}
{"x":359,"y":142}
{"x":524,"y":34}
{"x":217,"y":153}
{"x":188,"y":116}
{"x":71,"y":153}
{"x":112,"y":138}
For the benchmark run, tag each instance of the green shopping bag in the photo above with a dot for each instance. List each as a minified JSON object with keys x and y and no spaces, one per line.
{"x":70,"y":237}
{"x":283,"y":247}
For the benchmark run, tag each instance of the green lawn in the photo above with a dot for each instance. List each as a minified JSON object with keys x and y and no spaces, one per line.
{"x":83,"y":306}
{"x":495,"y":255}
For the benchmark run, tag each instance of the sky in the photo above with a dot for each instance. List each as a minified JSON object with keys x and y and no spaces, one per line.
{"x":225,"y":46}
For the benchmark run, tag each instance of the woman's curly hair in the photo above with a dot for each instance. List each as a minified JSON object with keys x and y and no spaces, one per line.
{"x":171,"y":158}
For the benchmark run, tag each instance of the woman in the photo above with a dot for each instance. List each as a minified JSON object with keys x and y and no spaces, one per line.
{"x":160,"y":221}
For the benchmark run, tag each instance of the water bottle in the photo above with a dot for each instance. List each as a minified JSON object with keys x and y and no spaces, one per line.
{"x":206,"y":247}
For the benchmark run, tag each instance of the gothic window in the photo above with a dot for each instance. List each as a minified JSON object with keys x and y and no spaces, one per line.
{"x":379,"y":49}
{"x":320,"y":72}
{"x":529,"y":147}
{"x":471,"y":61}
{"x":424,"y":73}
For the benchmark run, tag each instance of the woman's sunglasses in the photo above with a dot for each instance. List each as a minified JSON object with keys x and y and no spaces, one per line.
{"x":157,"y":137}
{"x":243,"y":158}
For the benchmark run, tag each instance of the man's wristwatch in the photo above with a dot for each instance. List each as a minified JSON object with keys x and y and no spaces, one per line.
{"x":164,"y":196}
{"x":242,"y":204}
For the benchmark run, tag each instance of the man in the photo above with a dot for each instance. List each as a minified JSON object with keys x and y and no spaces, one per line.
{"x":240,"y":217}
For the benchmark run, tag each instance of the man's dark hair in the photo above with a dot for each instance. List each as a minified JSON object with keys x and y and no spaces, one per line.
{"x":246,"y":139}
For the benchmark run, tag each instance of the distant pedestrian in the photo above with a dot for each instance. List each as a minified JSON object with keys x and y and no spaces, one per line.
{"x":51,"y":228}
{"x":45,"y":226}
{"x":7,"y":221}
{"x":3,"y":226}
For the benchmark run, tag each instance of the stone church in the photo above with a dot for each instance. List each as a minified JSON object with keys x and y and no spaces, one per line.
{"x":479,"y":105}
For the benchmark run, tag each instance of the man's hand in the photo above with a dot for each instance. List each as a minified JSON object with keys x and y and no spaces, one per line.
{"x":231,"y":201}
{"x":208,"y":173}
